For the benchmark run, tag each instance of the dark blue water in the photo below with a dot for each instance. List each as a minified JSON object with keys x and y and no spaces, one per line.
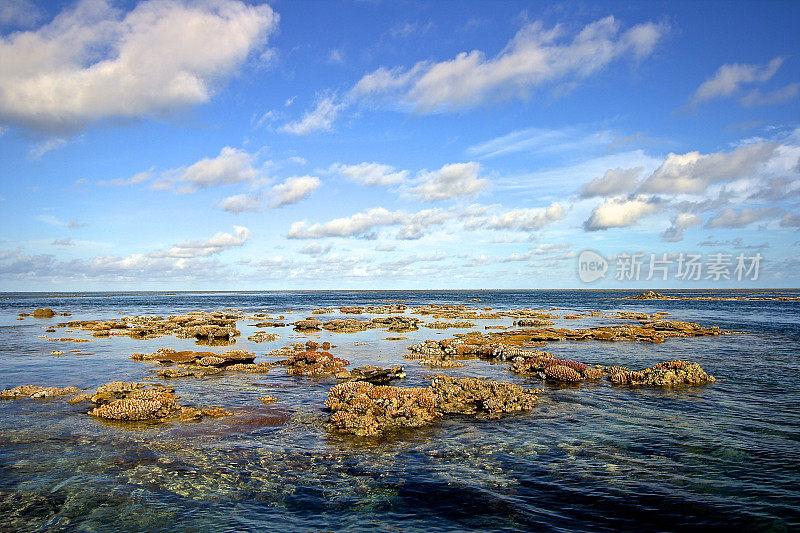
{"x":588,"y":458}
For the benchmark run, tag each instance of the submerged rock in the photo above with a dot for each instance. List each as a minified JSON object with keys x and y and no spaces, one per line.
{"x":263,"y":336}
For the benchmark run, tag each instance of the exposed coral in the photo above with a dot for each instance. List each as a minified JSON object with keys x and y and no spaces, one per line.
{"x":480,"y":396}
{"x":35,"y":391}
{"x":377,"y":375}
{"x":316,"y":364}
{"x":307,"y":324}
{"x":364,"y":409}
{"x":263,"y":336}
{"x":666,"y":374}
{"x":439,"y":324}
{"x":374,"y":309}
{"x":533,"y":322}
{"x":208,"y":328}
{"x":268,"y":399}
{"x":441,"y":363}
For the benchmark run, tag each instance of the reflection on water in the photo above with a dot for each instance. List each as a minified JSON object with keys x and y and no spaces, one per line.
{"x":589,"y":457}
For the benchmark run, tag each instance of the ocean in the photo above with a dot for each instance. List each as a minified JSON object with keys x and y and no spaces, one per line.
{"x":588,"y":457}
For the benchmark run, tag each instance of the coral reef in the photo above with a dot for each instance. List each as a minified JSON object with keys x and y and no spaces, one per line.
{"x":364,"y":409}
{"x":209,"y":328}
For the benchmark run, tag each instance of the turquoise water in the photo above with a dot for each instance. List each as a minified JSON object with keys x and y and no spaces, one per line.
{"x":588,"y":458}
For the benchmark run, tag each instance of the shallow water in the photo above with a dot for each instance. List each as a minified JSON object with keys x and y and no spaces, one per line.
{"x":587,"y":458}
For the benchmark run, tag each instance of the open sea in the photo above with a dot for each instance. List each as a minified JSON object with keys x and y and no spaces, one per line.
{"x":591,"y":457}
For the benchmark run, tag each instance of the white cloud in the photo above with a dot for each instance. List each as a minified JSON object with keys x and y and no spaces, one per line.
{"x":417,"y":225}
{"x":133,"y":180}
{"x":216,"y":244}
{"x":680,"y":222}
{"x":320,"y":119}
{"x":541,"y":141}
{"x":63,"y":242}
{"x":94,"y":62}
{"x":791,"y":221}
{"x":451,"y":181}
{"x":315,"y":249}
{"x":20,"y":13}
{"x":291,"y":191}
{"x":730,"y":218}
{"x":74,"y":224}
{"x":694,"y":172}
{"x":239,"y":203}
{"x":354,"y":225}
{"x":523,"y":219}
{"x":47,"y":145}
{"x":614,"y":181}
{"x":619,"y":212}
{"x":230,"y":166}
{"x":294,"y":189}
{"x":535,"y":56}
{"x":373,"y":174}
{"x":778,"y":96}
{"x":729,"y":78}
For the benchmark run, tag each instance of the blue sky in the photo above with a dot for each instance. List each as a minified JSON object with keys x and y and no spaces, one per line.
{"x":225,"y":144}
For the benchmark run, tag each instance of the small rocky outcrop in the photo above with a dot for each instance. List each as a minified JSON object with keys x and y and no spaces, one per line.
{"x":44,"y":313}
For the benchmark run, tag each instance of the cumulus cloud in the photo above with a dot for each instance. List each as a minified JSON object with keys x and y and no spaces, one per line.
{"x":451,"y":181}
{"x":373,"y":174}
{"x":620,"y":212}
{"x":417,"y":225}
{"x":694,"y":172}
{"x":230,"y":166}
{"x":613,"y":182}
{"x":94,"y":62}
{"x":680,"y":222}
{"x":319,"y":119}
{"x":291,"y":191}
{"x":354,"y":225}
{"x":730,"y":218}
{"x":534,"y":56}
{"x":216,"y":244}
{"x":729,"y":78}
{"x":294,"y":189}
{"x":523,"y":219}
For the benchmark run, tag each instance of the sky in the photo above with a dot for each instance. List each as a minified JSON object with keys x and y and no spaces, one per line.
{"x":240,"y":145}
